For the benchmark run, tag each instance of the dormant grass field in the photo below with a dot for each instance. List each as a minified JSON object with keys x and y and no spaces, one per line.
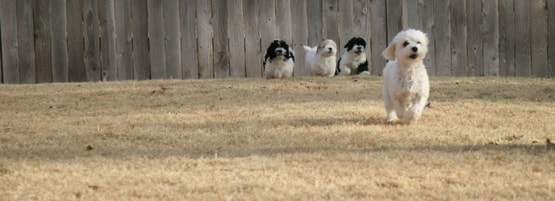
{"x":293,"y":139}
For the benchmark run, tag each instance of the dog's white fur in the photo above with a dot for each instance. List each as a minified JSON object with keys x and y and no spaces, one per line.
{"x":406,"y":86}
{"x":321,"y":60}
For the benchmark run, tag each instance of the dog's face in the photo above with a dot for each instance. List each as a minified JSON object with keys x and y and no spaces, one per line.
{"x":327,"y":48}
{"x":356,"y":45}
{"x":279,"y":48}
{"x":407,"y":46}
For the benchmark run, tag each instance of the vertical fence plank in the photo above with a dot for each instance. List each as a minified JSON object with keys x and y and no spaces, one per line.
{"x":26,"y":42}
{"x":551,"y":37}
{"x":299,"y":35}
{"x":189,"y":39}
{"x":362,"y":18}
{"x":221,"y":42}
{"x":8,"y":23}
{"x":236,"y":34}
{"x":346,"y":24}
{"x":267,"y":23}
{"x":428,"y":13}
{"x":43,"y":53}
{"x":253,"y":49}
{"x":506,"y":38}
{"x":538,"y":23}
{"x":330,"y":23}
{"x":76,"y":56}
{"x":108,"y":40}
{"x":173,"y":44}
{"x":92,"y":48}
{"x":411,"y":15}
{"x":522,"y":34}
{"x":124,"y":57}
{"x":60,"y":56}
{"x":283,"y":20}
{"x":443,"y":37}
{"x":475,"y":49}
{"x":205,"y":33}
{"x":490,"y":26}
{"x":394,"y":19}
{"x":141,"y":58}
{"x":314,"y":22}
{"x":379,"y":36}
{"x":156,"y":34}
{"x":458,"y":38}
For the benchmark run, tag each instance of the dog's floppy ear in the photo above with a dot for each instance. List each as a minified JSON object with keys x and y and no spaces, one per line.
{"x":321,"y":46}
{"x":291,"y":54}
{"x":389,"y":52}
{"x":349,"y":44}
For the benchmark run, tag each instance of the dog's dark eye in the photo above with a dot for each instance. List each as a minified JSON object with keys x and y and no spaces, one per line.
{"x":418,"y":42}
{"x":405,"y":43}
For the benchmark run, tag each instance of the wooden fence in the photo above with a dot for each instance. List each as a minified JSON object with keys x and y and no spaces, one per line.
{"x":92,"y":40}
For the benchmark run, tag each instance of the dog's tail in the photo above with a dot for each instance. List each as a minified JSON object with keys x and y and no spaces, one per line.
{"x":307,"y":49}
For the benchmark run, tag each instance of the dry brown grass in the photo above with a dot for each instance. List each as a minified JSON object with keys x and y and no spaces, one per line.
{"x":295,"y":139}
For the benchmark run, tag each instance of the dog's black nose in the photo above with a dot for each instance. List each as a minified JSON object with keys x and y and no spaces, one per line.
{"x":359,"y":48}
{"x":329,"y":49}
{"x":414,"y":49}
{"x":279,"y":51}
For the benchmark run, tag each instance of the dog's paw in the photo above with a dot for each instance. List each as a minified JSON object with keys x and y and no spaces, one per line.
{"x":364,"y":73}
{"x":392,"y":120}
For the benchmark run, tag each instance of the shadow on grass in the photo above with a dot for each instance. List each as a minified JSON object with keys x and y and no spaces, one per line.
{"x":448,"y":149}
{"x":228,"y":145}
{"x":206,"y":151}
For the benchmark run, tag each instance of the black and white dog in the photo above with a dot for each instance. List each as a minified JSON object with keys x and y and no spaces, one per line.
{"x":353,"y":61}
{"x":279,"y":60}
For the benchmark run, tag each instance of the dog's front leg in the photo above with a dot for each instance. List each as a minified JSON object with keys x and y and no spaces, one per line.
{"x":346,"y":70}
{"x":389,"y":107}
{"x":414,"y":112}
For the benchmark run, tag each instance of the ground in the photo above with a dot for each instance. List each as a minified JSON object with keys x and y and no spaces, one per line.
{"x":292,"y":139}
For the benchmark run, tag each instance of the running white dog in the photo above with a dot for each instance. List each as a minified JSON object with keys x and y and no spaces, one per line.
{"x":406,"y":86}
{"x":321,"y":60}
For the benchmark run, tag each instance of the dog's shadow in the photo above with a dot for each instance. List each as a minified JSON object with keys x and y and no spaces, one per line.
{"x":372,"y":121}
{"x":364,"y":121}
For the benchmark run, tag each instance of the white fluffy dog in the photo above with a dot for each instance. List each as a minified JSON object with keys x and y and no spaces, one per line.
{"x":406,"y":86}
{"x":321,"y":60}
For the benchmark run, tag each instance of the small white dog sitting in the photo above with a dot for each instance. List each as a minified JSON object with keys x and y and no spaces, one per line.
{"x":321,"y":60}
{"x":406,"y":86}
{"x":279,"y":60}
